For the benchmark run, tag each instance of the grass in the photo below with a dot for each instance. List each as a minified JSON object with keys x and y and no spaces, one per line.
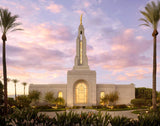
{"x":102,"y":109}
{"x":51,"y":110}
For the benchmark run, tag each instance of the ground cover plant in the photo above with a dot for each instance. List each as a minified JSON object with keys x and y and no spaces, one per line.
{"x":31,"y":117}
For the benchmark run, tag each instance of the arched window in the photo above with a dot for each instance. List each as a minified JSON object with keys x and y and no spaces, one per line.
{"x":81,"y":93}
{"x":60,"y":94}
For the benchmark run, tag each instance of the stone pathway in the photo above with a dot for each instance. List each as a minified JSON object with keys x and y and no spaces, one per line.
{"x":128,"y":113}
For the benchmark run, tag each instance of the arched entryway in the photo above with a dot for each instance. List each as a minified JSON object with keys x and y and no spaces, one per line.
{"x":80,"y":93}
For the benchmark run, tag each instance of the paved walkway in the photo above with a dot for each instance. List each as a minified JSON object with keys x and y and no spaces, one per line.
{"x":128,"y":113}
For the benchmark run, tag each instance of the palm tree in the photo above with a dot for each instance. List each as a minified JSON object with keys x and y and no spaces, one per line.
{"x":151,"y":19}
{"x":7,"y":23}
{"x":24,"y":84}
{"x":8,"y":79}
{"x":15,"y":81}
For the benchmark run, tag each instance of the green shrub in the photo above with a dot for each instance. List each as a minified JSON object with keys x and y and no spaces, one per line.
{"x":138,"y":102}
{"x":1,"y":110}
{"x":94,"y":106}
{"x":102,"y":120}
{"x":143,"y":93}
{"x":43,"y":107}
{"x":89,"y":107}
{"x":120,"y":121}
{"x":11,"y":102}
{"x":23,"y":101}
{"x":4,"y":121}
{"x":66,"y":119}
{"x":60,"y":106}
{"x":120,"y":106}
{"x":60,"y":101}
{"x":151,"y":119}
{"x":76,"y":107}
{"x":149,"y":102}
{"x":98,"y":107}
{"x":30,"y":117}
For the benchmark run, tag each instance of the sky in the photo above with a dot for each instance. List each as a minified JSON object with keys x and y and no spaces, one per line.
{"x":118,"y":48}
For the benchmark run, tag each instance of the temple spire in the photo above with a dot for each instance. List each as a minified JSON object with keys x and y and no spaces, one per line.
{"x":81,"y":19}
{"x":81,"y":60}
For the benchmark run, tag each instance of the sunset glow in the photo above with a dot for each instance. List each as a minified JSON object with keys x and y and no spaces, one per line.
{"x":117,"y":47}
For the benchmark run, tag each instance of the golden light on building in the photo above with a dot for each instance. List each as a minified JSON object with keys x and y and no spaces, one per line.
{"x":81,"y":52}
{"x":81,"y":93}
{"x":102,"y":95}
{"x":60,"y":94}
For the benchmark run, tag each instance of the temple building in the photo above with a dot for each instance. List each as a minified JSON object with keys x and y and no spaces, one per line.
{"x":81,"y":88}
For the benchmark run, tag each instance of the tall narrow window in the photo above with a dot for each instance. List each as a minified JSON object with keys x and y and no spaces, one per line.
{"x":102,"y":95}
{"x":81,"y":93}
{"x":60,"y":94}
{"x":81,"y":52}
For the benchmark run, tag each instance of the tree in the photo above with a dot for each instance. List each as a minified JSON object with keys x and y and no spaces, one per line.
{"x":34,"y":95}
{"x":7,"y":23}
{"x":105,"y":99}
{"x":60,"y":101}
{"x":8,"y":79}
{"x":143,"y":93}
{"x":15,"y":81}
{"x":151,"y":19}
{"x":113,"y":97}
{"x":24,"y":84}
{"x":110,"y":98}
{"x":49,"y":97}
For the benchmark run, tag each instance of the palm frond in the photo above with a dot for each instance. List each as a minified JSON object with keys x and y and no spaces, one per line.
{"x":7,"y":21}
{"x":145,"y":25}
{"x":151,"y":14}
{"x":142,"y":19}
{"x":16,"y":29}
{"x":153,"y":4}
{"x":147,"y":16}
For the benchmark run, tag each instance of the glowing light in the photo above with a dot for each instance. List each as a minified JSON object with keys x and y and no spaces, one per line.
{"x":81,"y":93}
{"x":81,"y":52}
{"x":102,"y":95}
{"x":60,"y":94}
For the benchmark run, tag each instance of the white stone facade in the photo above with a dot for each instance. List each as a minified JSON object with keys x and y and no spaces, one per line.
{"x":81,"y":88}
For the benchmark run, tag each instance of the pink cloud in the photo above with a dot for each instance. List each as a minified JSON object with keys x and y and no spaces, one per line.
{"x":125,"y":50}
{"x":54,"y":8}
{"x":121,"y":78}
{"x":79,"y":12}
{"x":87,"y":4}
{"x":44,"y":34}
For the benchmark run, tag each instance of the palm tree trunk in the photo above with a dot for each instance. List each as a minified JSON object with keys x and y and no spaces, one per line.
{"x":15,"y":91}
{"x":24,"y":90}
{"x":4,"y":73}
{"x":154,"y":34}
